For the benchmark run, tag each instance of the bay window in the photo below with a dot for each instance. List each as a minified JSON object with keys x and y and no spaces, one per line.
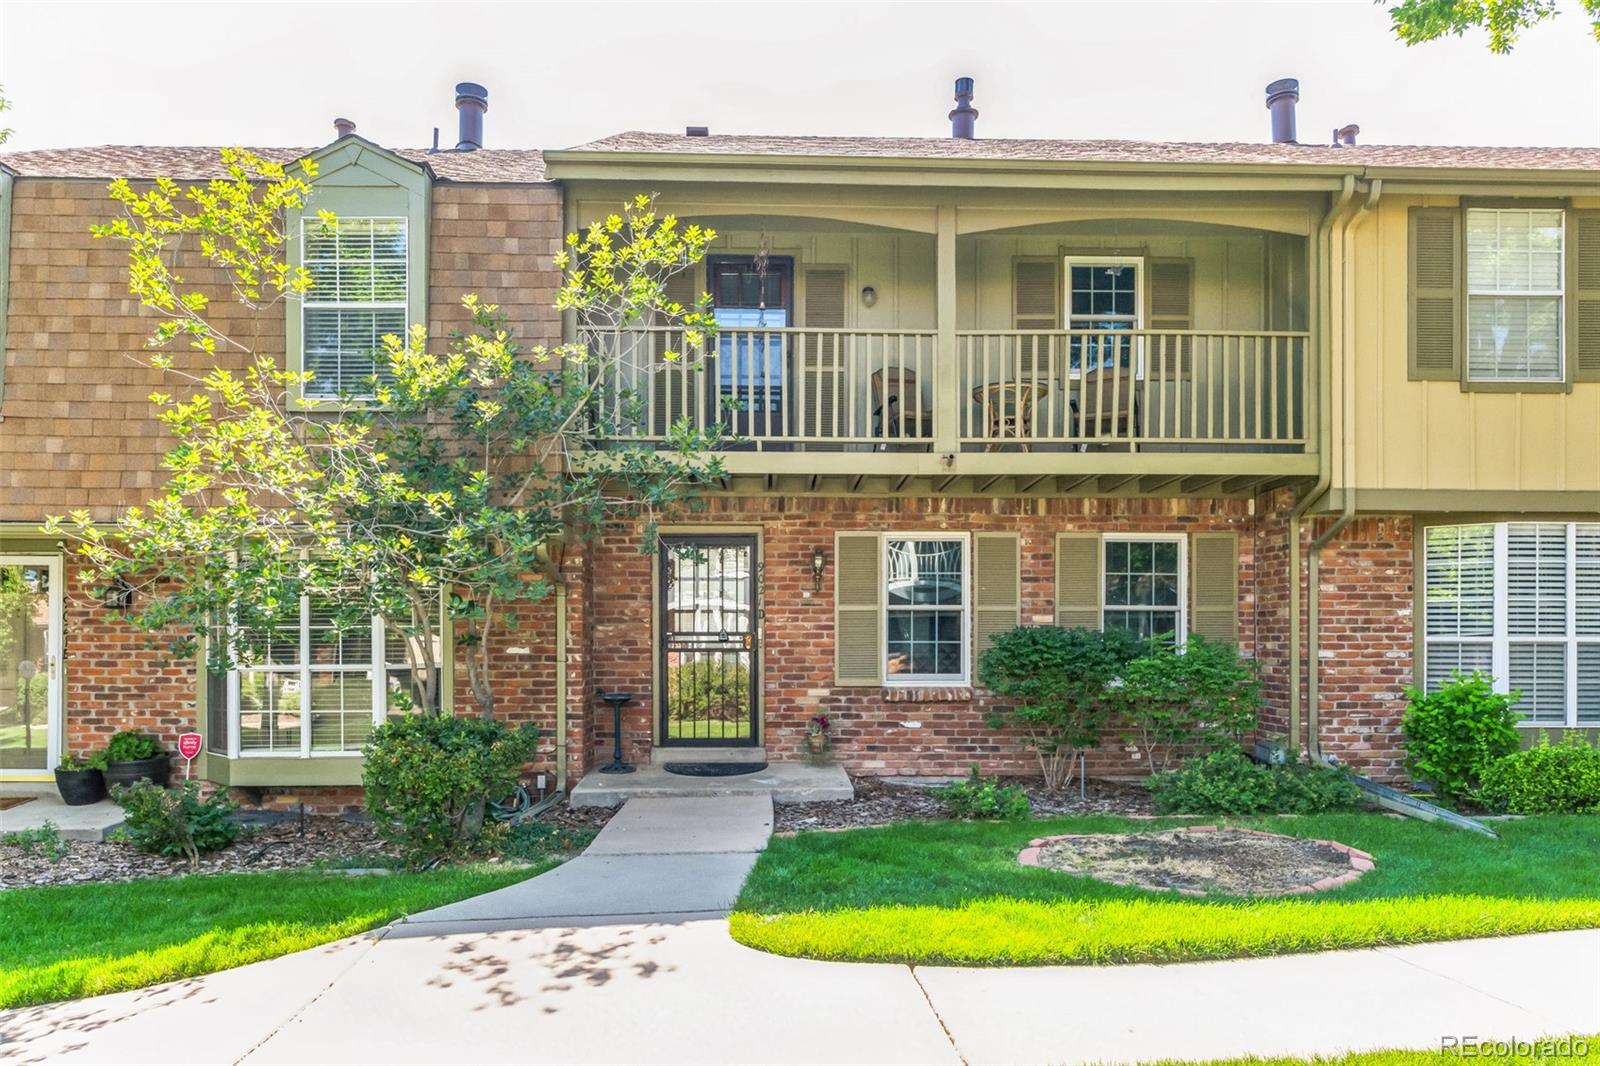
{"x":1519,"y":601}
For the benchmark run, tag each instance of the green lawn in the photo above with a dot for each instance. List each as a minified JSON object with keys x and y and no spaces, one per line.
{"x":69,"y":941}
{"x":705,"y":729}
{"x":953,"y":893}
{"x":1543,"y":1051}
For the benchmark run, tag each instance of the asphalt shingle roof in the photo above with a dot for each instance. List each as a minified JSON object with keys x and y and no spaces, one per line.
{"x":1101,"y":151}
{"x":490,"y":165}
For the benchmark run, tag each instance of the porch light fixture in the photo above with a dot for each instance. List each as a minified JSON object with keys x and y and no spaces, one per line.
{"x":117,"y":596}
{"x":819,"y":563}
{"x":869,"y":296}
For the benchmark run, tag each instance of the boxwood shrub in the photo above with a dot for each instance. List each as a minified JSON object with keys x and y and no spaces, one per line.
{"x":1547,"y":778}
{"x":1228,"y":782}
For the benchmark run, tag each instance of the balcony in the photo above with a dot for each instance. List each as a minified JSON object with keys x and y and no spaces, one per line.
{"x":1094,"y":410}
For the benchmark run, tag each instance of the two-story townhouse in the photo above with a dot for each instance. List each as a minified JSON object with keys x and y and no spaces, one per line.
{"x":1338,"y":404}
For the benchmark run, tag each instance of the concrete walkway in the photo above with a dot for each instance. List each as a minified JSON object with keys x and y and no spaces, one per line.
{"x":622,"y":955}
{"x":92,"y":821}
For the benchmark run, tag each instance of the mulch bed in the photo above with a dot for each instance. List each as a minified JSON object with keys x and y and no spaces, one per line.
{"x":1201,"y":860}
{"x":285,"y":845}
{"x":880,"y":802}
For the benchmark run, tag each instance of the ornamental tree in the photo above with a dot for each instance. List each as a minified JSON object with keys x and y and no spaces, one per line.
{"x":1417,"y":21}
{"x":442,"y":495}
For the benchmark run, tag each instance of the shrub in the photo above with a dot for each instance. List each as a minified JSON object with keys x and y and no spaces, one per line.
{"x":1200,"y":698}
{"x":1454,"y":734}
{"x":1228,"y":782}
{"x":176,"y":821}
{"x":428,"y":778}
{"x":130,"y":745}
{"x":44,"y":838}
{"x":983,"y":797}
{"x":95,"y":760}
{"x":1547,"y":778}
{"x":1056,"y":679}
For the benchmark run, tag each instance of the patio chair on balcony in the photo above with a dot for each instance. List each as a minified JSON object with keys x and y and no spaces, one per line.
{"x":1107,"y":407}
{"x":898,"y":408}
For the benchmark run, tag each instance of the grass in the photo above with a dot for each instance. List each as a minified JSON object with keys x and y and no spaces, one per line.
{"x":704,"y":729}
{"x":953,"y":893}
{"x":68,"y":941}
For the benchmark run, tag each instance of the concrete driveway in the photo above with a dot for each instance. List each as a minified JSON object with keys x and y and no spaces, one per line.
{"x":526,"y":975}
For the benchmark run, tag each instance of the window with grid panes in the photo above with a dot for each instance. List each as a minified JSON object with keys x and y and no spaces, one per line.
{"x":358,"y":295}
{"x":1144,"y":587}
{"x":925,"y":609}
{"x":1515,"y":281}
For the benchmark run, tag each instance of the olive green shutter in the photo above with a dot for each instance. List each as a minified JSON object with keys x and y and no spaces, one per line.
{"x":1585,"y":296}
{"x":674,"y":391}
{"x":822,"y":361}
{"x":996,"y":588}
{"x":1035,"y":304}
{"x":1078,"y":584}
{"x":857,"y":613}
{"x":1214,"y":586}
{"x":1435,"y":301}
{"x":1169,"y":287}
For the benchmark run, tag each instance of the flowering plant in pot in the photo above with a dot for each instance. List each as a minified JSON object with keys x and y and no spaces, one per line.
{"x":134,"y":756}
{"x":819,"y":735}
{"x":81,"y":780}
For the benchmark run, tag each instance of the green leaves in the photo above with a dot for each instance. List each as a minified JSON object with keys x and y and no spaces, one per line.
{"x":1454,"y":734}
{"x":1418,"y":21}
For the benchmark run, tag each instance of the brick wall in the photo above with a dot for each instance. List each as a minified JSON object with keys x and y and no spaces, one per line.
{"x":1366,"y":643}
{"x":877,"y":731}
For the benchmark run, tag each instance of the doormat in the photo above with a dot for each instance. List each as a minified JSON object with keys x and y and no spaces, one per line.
{"x":8,"y":802}
{"x":714,"y":769}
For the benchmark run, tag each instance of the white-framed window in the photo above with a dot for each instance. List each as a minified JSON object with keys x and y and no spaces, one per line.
{"x":1519,"y":601}
{"x":312,"y":689}
{"x":1103,"y":293}
{"x":1516,"y":277}
{"x":1145,"y":590}
{"x":358,"y":267}
{"x":926,"y":608}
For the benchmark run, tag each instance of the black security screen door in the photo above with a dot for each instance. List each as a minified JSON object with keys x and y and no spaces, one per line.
{"x":708,"y":640}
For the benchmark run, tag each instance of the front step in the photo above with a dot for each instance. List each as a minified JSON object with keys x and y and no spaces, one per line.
{"x":785,"y":782}
{"x":662,"y":754}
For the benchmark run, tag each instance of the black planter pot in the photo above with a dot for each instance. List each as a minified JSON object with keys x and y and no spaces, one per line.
{"x":79,"y":788}
{"x":126,"y":773}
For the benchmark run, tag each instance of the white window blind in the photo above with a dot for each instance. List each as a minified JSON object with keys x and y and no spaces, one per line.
{"x":359,"y":294}
{"x":1515,"y":280}
{"x":1520,"y":601}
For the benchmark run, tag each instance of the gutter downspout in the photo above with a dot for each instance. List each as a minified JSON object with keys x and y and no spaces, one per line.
{"x":1325,"y":468}
{"x":561,"y":688}
{"x":1347,"y":463}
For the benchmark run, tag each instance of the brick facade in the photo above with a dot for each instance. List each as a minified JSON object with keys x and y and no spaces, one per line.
{"x":878,"y":730}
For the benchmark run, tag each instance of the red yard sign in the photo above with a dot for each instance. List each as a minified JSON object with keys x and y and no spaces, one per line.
{"x":189,"y":745}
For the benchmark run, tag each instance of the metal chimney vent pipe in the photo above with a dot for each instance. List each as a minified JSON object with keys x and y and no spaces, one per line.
{"x":472,"y":100}
{"x":1282,"y":95}
{"x":1346,"y":135}
{"x":697,"y":131}
{"x":964,"y":119}
{"x":343,"y":127}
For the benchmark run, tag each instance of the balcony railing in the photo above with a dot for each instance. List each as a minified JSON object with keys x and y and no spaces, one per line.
{"x":882,"y":390}
{"x":1134,"y":387}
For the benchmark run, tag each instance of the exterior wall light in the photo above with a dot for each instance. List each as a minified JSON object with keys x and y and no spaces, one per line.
{"x":117,"y":596}
{"x":819,"y":563}
{"x":869,"y":296}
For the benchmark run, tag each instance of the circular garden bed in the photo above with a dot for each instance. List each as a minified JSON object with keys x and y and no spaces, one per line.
{"x":1203,"y":860}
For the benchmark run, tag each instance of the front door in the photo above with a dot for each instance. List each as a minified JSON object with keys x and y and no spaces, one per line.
{"x":708,"y":629}
{"x":30,"y":671}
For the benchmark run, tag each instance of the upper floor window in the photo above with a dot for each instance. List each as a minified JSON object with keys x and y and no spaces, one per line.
{"x":359,"y":294}
{"x":1519,"y":601}
{"x":1515,"y":285}
{"x":1103,"y":294}
{"x":925,"y":609}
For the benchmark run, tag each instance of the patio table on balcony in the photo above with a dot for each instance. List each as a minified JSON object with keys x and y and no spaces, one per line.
{"x":1009,"y":406}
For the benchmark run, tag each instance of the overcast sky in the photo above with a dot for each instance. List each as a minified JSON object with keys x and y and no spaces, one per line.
{"x":559,"y":74}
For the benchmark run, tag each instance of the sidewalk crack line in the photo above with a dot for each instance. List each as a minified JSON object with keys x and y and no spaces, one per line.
{"x":936,"y":1015}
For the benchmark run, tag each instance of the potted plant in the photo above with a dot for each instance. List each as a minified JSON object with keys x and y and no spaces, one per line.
{"x":818,"y":737}
{"x":134,"y":756}
{"x":80,"y":780}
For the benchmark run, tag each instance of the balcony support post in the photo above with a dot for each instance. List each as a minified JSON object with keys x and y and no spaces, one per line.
{"x":946,"y":375}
